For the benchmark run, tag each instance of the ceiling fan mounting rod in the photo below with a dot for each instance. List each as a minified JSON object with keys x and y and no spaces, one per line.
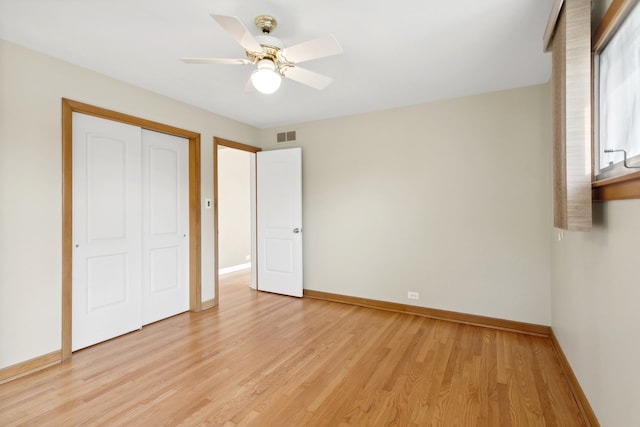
{"x":266,"y":23}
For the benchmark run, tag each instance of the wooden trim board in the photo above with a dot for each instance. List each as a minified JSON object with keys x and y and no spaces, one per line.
{"x":28,"y":366}
{"x":210,"y":303}
{"x":617,"y":188}
{"x":237,"y":145}
{"x":578,"y":394}
{"x":470,"y":319}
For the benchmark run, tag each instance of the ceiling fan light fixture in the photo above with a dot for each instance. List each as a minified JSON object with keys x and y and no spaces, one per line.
{"x":266,"y":79}
{"x":272,"y":60}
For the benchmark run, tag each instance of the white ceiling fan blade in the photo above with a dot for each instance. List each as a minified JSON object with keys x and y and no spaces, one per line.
{"x":309,"y":78}
{"x":216,"y":61}
{"x":313,"y":49}
{"x":238,"y":31}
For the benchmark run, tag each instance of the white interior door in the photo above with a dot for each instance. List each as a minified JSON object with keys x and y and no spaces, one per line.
{"x":130,"y":263}
{"x":106,"y":272}
{"x":165,"y":226}
{"x":279,"y":215}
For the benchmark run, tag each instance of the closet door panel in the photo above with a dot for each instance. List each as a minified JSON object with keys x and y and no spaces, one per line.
{"x":106,"y":271}
{"x":165,"y":219}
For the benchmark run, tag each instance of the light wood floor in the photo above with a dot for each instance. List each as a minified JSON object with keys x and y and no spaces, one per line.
{"x":268,"y":360}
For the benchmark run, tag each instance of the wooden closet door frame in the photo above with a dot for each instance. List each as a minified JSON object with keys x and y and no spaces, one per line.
{"x":195,"y":268}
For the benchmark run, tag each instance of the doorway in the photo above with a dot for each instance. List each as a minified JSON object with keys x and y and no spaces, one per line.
{"x":235,"y":222}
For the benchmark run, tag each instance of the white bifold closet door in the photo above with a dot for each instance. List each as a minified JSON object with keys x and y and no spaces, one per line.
{"x":130,"y":228}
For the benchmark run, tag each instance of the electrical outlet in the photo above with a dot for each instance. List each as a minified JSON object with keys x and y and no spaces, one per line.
{"x":413,"y":295}
{"x":247,"y":258}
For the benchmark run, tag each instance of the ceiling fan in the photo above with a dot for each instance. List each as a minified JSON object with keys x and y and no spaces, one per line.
{"x":270,"y":56}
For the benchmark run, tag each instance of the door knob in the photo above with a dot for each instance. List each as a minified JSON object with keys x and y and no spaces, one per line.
{"x":296,"y":230}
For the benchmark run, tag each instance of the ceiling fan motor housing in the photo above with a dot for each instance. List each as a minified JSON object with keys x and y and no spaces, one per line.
{"x":267,"y":40}
{"x":270,"y":45}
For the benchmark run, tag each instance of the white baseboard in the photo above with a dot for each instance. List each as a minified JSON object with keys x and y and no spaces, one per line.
{"x":234,"y":268}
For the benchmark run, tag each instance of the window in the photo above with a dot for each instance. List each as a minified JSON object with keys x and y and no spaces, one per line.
{"x":616,"y":91}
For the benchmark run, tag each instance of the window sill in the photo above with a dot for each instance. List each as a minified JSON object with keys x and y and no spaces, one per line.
{"x":617,"y":188}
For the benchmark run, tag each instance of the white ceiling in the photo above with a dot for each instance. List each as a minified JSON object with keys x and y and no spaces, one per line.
{"x":396,"y":53}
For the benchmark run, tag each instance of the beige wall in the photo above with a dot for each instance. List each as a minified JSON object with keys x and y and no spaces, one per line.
{"x":31,"y":88}
{"x":595,"y":305}
{"x":595,"y":309}
{"x":449,"y":199}
{"x":234,"y":207}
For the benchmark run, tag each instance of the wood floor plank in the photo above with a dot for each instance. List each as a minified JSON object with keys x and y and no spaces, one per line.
{"x":260,"y":359}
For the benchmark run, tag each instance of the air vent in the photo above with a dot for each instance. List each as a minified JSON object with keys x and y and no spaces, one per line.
{"x":286,"y":136}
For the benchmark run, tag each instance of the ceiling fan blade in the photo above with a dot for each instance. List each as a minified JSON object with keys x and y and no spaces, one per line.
{"x":306,"y":77}
{"x":313,"y":49}
{"x":216,"y":61}
{"x":238,"y":31}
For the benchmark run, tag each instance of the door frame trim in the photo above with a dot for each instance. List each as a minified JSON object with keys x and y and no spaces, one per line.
{"x":238,"y":146}
{"x":195,"y":245}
